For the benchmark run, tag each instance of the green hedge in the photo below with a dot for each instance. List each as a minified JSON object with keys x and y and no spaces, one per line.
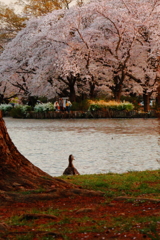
{"x":20,"y":111}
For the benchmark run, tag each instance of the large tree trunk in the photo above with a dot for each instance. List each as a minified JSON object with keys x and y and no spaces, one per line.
{"x":16,"y":172}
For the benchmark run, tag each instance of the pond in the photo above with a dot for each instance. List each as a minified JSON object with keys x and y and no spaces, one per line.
{"x":98,"y":145}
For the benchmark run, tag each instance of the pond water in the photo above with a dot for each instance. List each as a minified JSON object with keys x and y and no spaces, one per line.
{"x":98,"y":145}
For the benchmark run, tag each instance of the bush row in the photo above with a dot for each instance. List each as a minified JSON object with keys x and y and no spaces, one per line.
{"x":19,"y":110}
{"x":23,"y":110}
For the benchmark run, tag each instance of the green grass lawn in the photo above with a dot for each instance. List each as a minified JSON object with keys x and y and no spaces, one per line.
{"x":133,"y":184}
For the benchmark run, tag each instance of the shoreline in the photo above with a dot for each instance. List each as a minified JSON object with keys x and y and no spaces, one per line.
{"x":87,"y":114}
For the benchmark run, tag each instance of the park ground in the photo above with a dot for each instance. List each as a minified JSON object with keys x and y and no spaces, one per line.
{"x":115,"y":206}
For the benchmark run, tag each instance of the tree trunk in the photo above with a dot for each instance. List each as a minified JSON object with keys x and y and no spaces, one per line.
{"x":146,"y":100}
{"x":117,"y":96}
{"x":117,"y":88}
{"x":72,"y":94}
{"x":92,"y":88}
{"x":158,"y":97}
{"x":16,"y":172}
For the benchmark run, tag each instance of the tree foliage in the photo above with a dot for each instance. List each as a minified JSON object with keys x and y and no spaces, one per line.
{"x":42,"y":7}
{"x":110,"y":46}
{"x":10,"y":24}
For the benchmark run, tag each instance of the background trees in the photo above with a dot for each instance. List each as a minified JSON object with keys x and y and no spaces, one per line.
{"x":10,"y":24}
{"x":42,"y":7}
{"x":13,"y":21}
{"x":144,"y":63}
{"x":109,"y":46}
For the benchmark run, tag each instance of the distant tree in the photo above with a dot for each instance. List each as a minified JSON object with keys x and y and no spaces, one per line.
{"x":3,"y":98}
{"x":10,"y":24}
{"x":42,"y":7}
{"x":144,"y":64}
{"x":133,"y":47}
{"x":80,"y":2}
{"x":144,"y":74}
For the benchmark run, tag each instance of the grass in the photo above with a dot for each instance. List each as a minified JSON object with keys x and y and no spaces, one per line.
{"x":49,"y":211}
{"x":28,"y":236}
{"x":40,"y":190}
{"x":132,"y":183}
{"x":120,"y":224}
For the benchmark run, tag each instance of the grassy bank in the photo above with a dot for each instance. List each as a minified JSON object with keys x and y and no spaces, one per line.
{"x":129,"y":209}
{"x":133,"y":184}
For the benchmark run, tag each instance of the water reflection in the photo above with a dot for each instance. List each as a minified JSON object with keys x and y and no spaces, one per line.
{"x":99,"y":145}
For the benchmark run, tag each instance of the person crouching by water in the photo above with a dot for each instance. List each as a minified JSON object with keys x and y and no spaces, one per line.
{"x":71,"y":170}
{"x":68,"y":106}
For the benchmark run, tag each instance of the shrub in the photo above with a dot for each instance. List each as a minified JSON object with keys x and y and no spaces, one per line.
{"x":5,"y":107}
{"x":43,"y":99}
{"x":80,"y":106}
{"x":20,"y":111}
{"x":26,"y":108}
{"x":134,"y":100}
{"x":103,"y":105}
{"x":44,"y":107}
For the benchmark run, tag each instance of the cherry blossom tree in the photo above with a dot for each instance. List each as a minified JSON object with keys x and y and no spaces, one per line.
{"x":41,"y":58}
{"x":12,"y":21}
{"x":144,"y":64}
{"x":129,"y":35}
{"x":83,"y":50}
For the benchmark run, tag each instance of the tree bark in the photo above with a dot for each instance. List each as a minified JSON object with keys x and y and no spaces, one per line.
{"x":158,"y":97}
{"x":146,"y":100}
{"x":117,"y":96}
{"x":16,"y":172}
{"x":92,"y":88}
{"x":72,"y":96}
{"x":117,"y":88}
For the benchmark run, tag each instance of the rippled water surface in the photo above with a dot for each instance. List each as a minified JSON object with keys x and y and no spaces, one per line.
{"x":99,"y":145}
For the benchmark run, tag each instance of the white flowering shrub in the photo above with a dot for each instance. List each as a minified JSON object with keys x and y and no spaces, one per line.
{"x":19,"y":111}
{"x":44,"y":107}
{"x":5,"y":107}
{"x":25,"y":108}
